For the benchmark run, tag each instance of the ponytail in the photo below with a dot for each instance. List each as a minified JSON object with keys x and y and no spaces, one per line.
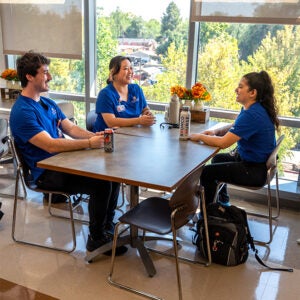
{"x":262,"y":83}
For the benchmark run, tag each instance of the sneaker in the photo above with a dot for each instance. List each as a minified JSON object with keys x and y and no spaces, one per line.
{"x":110,"y":228}
{"x":227,"y":203}
{"x":92,"y":245}
{"x":56,"y":198}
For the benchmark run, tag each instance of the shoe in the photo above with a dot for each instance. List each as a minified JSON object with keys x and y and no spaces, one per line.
{"x":92,"y":245}
{"x":56,"y":198}
{"x":227,"y":204}
{"x":110,"y":228}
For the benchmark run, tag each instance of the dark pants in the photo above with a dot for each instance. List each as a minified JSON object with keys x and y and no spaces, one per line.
{"x":229,"y":168}
{"x":103,"y":196}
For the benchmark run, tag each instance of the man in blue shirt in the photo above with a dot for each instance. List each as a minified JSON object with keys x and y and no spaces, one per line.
{"x":38,"y":127}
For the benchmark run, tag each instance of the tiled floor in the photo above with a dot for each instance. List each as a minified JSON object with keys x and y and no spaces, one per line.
{"x":68,"y":276}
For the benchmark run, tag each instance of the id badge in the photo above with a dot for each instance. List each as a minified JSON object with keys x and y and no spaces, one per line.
{"x":120,"y":108}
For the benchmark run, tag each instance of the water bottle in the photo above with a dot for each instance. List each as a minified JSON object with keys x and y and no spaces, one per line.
{"x":184,"y":123}
{"x":174,"y":107}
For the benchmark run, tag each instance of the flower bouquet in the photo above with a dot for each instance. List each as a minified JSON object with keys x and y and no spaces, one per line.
{"x":10,"y":75}
{"x":197,"y":94}
{"x":12,"y":80}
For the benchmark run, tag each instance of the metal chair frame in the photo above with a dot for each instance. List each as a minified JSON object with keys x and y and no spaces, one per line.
{"x":20,"y":175}
{"x":271,"y":173}
{"x":182,"y":206}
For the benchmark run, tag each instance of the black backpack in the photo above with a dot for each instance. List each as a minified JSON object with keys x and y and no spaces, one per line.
{"x":229,"y":236}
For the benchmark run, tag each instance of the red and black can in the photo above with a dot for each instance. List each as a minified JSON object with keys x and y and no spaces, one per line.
{"x":109,"y":140}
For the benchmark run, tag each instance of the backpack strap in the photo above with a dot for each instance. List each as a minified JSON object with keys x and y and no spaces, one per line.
{"x":271,"y":268}
{"x":252,"y":246}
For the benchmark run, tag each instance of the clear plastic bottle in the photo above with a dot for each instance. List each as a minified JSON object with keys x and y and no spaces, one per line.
{"x":184,"y":123}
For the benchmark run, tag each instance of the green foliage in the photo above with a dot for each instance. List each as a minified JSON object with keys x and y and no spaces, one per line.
{"x":67,"y":75}
{"x":174,"y":64}
{"x":251,"y":32}
{"x":136,"y":28}
{"x":119,"y":22}
{"x":279,"y":55}
{"x":170,"y":20}
{"x":172,"y":29}
{"x":210,"y":31}
{"x":219,"y":70}
{"x":106,"y":50}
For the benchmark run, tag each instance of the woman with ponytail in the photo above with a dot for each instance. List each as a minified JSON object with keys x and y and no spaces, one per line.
{"x":253,"y":131}
{"x":121,"y":102}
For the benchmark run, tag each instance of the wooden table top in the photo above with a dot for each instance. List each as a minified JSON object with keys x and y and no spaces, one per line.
{"x":160,"y":162}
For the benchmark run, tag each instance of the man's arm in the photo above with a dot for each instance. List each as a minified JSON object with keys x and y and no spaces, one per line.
{"x":81,"y":139}
{"x":74,"y":131}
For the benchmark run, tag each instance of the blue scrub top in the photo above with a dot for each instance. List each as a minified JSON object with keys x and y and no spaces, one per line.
{"x":257,"y":133}
{"x":108,"y":101}
{"x":28,"y":118}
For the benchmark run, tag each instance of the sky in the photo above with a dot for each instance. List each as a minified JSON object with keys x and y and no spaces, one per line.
{"x":152,"y":9}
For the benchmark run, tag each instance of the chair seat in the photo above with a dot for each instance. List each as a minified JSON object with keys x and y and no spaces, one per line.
{"x":152,"y":214}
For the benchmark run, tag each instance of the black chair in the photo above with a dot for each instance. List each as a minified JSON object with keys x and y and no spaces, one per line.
{"x":90,"y":120}
{"x":272,"y":172}
{"x":161,"y":216}
{"x":23,"y":173}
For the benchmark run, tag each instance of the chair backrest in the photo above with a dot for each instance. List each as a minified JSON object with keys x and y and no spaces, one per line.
{"x":68,"y":109}
{"x":91,"y":119}
{"x":272,"y":160}
{"x":3,"y":134}
{"x":23,"y":169}
{"x":186,"y":196}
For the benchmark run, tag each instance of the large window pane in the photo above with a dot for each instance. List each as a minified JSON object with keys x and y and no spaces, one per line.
{"x":227,"y":51}
{"x":153,"y":33}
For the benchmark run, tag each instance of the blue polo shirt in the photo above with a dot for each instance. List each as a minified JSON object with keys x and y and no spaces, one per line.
{"x":257,"y":133}
{"x":108,"y":101}
{"x":28,"y":118}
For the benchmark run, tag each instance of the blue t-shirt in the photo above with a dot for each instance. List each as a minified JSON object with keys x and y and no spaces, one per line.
{"x":28,"y":118}
{"x":257,"y":133}
{"x":108,"y":101}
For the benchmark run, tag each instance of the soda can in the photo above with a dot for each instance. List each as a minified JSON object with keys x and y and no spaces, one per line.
{"x":108,"y":140}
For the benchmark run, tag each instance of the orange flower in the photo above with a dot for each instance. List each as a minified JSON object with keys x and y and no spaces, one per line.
{"x":199,"y":92}
{"x":9,"y":74}
{"x":179,"y":91}
{"x":196,"y":93}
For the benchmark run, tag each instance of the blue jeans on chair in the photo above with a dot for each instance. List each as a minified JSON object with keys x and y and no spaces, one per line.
{"x":230,"y":168}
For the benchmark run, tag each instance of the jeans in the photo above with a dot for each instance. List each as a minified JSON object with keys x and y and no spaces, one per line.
{"x":230,"y":168}
{"x":103,"y":196}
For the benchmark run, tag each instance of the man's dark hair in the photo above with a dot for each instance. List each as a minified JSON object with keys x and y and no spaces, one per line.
{"x":29,"y":63}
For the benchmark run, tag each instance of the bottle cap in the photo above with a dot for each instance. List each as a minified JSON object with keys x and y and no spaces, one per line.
{"x":185,"y":108}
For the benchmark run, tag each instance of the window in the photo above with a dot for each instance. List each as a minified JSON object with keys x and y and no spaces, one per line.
{"x":154,"y":34}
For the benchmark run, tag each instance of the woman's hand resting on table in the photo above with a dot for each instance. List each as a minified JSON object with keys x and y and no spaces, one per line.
{"x":147,"y":119}
{"x":197,"y":136}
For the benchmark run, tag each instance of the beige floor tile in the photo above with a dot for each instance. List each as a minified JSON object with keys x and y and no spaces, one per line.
{"x":68,"y":276}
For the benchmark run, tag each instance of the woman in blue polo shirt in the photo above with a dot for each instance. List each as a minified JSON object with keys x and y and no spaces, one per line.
{"x":254,"y":133}
{"x":121,"y":103}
